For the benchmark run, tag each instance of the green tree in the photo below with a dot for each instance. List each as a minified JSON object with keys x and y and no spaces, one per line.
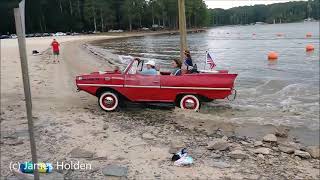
{"x":90,"y":12}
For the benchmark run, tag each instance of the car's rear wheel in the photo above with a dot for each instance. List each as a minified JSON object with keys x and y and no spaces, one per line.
{"x":190,"y":102}
{"x":109,"y":101}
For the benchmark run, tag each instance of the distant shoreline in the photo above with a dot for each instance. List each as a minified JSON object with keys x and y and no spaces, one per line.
{"x":124,"y":35}
{"x":233,"y":25}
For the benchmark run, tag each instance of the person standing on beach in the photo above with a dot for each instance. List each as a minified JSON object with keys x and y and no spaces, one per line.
{"x":55,"y":49}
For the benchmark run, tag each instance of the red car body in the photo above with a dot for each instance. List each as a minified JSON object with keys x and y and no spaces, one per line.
{"x":165,"y":88}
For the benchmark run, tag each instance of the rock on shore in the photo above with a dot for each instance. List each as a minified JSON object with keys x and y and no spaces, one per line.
{"x":218,"y":144}
{"x":270,"y":138}
{"x":238,"y":154}
{"x":314,"y":151}
{"x":302,"y":154}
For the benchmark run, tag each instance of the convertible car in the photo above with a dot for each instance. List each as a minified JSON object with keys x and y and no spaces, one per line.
{"x":186,"y":91}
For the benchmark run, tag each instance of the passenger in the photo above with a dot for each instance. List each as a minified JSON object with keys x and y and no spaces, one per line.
{"x":176,"y":64}
{"x":158,"y":67}
{"x":150,"y":68}
{"x":187,"y":60}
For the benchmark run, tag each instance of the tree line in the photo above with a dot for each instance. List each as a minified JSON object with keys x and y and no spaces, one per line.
{"x":103,"y":15}
{"x":273,"y":13}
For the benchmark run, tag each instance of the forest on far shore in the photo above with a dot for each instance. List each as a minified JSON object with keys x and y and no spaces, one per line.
{"x":103,"y":15}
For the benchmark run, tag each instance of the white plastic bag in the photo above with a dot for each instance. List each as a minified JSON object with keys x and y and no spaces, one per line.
{"x":184,"y":161}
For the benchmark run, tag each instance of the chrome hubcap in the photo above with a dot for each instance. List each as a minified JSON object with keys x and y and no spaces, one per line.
{"x":189,"y":103}
{"x":109,"y":100}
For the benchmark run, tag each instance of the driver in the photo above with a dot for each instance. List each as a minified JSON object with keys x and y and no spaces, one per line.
{"x":151,"y":70}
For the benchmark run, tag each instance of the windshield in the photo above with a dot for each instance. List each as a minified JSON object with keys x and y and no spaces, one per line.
{"x":125,"y":61}
{"x":134,"y":68}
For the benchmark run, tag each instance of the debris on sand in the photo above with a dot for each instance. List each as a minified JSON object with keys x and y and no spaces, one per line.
{"x":181,"y":158}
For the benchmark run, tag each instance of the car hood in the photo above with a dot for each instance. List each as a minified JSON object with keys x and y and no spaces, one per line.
{"x":97,"y":74}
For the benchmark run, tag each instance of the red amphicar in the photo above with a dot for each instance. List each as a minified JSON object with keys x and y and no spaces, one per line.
{"x":186,"y":91}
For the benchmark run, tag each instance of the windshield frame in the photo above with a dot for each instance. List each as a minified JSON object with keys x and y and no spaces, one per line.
{"x":128,"y":68}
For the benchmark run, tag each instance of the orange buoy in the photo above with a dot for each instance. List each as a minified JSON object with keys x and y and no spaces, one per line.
{"x":272,"y":55}
{"x":309,"y":48}
{"x":308,"y":35}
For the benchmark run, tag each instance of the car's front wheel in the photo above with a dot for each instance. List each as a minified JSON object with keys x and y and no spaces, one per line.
{"x":190,"y":102}
{"x":109,"y":101}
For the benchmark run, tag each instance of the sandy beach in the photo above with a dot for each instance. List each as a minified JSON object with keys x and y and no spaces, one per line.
{"x":71,"y":127}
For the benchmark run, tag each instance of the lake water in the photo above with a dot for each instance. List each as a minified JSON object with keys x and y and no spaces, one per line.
{"x":283,"y":92}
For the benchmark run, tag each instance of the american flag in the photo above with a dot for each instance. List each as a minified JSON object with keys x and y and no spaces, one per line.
{"x":209,"y":61}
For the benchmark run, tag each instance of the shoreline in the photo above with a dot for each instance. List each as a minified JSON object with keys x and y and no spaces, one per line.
{"x":70,"y":126}
{"x":125,"y":35}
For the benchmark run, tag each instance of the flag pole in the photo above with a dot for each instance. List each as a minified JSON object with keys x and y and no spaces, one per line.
{"x":205,"y":60}
{"x":20,"y":30}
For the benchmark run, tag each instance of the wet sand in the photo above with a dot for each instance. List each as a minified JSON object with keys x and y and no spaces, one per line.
{"x":137,"y":137}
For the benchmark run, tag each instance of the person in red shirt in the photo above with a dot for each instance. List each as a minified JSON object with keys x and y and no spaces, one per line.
{"x":55,"y":48}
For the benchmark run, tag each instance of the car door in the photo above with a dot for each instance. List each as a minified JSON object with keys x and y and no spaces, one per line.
{"x":143,"y":87}
{"x":139,"y":87}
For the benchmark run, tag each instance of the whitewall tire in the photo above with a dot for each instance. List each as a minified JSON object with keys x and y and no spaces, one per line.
{"x":109,"y":101}
{"x":190,"y":102}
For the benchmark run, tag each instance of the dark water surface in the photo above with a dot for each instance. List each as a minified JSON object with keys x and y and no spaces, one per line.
{"x":284,"y":92}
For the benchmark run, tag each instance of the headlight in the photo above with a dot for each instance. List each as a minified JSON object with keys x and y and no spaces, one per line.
{"x":80,"y":78}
